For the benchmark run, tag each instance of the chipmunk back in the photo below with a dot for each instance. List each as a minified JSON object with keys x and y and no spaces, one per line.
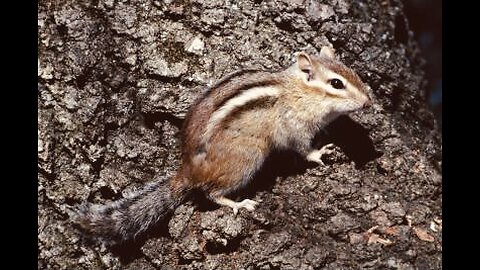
{"x":228,"y":133}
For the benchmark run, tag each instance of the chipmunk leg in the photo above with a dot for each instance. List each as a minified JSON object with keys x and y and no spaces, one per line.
{"x":316,"y":155}
{"x":247,"y":204}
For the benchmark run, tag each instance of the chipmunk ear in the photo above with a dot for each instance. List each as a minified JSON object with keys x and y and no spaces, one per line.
{"x":305,"y":64}
{"x":327,"y":52}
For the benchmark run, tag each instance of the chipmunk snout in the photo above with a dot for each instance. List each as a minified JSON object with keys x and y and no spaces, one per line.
{"x":367,"y":103}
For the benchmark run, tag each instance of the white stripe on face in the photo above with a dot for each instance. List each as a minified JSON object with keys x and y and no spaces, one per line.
{"x":323,"y":83}
{"x":237,"y":102}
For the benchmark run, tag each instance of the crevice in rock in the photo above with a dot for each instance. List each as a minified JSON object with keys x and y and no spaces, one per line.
{"x":151,"y":118}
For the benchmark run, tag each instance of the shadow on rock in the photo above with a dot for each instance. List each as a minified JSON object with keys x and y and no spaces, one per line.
{"x":345,"y":133}
{"x":353,"y":139}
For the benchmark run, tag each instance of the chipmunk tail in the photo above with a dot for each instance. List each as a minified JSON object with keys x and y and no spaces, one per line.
{"x":128,"y":217}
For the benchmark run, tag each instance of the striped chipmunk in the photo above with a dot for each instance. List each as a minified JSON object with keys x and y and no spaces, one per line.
{"x":228,"y":133}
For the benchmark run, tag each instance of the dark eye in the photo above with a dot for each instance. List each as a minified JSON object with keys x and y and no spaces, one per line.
{"x":337,"y":84}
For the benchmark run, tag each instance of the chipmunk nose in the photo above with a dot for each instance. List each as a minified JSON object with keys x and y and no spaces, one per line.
{"x":367,"y":103}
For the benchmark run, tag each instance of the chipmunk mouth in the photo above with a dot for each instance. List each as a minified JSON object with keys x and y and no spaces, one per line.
{"x":353,"y":108}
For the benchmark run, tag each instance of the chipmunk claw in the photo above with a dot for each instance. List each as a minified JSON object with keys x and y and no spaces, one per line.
{"x":247,"y":204}
{"x":316,"y":155}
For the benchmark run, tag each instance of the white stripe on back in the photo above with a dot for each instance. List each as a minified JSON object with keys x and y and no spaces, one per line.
{"x":237,"y":102}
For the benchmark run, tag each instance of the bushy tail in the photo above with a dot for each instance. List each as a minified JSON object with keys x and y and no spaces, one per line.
{"x":124,"y":219}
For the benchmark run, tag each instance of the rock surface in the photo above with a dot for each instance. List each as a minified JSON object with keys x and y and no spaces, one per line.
{"x":115,"y":79}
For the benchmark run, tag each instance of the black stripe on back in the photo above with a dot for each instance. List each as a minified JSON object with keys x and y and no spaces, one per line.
{"x":262,"y":102}
{"x":264,"y":79}
{"x":243,"y":88}
{"x":223,"y":82}
{"x":233,"y":75}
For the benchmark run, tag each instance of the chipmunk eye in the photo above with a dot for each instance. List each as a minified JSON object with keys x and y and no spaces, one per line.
{"x":337,"y":84}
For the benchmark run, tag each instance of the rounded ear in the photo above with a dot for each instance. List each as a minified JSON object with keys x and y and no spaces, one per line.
{"x":327,"y":52}
{"x":304,"y":62}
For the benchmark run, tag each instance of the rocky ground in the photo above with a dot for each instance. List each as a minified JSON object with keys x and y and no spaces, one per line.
{"x":115,"y":79}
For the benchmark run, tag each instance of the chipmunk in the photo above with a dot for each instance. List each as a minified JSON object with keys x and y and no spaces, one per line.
{"x":228,"y":133}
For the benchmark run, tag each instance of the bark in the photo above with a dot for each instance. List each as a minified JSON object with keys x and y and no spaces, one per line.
{"x":115,"y":79}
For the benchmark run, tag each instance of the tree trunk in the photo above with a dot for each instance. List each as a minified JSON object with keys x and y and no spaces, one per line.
{"x":115,"y":79}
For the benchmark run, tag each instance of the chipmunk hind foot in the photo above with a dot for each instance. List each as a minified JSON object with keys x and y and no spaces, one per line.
{"x":247,"y":204}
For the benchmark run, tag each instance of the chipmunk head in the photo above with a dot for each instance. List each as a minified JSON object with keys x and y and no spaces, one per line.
{"x":339,"y":85}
